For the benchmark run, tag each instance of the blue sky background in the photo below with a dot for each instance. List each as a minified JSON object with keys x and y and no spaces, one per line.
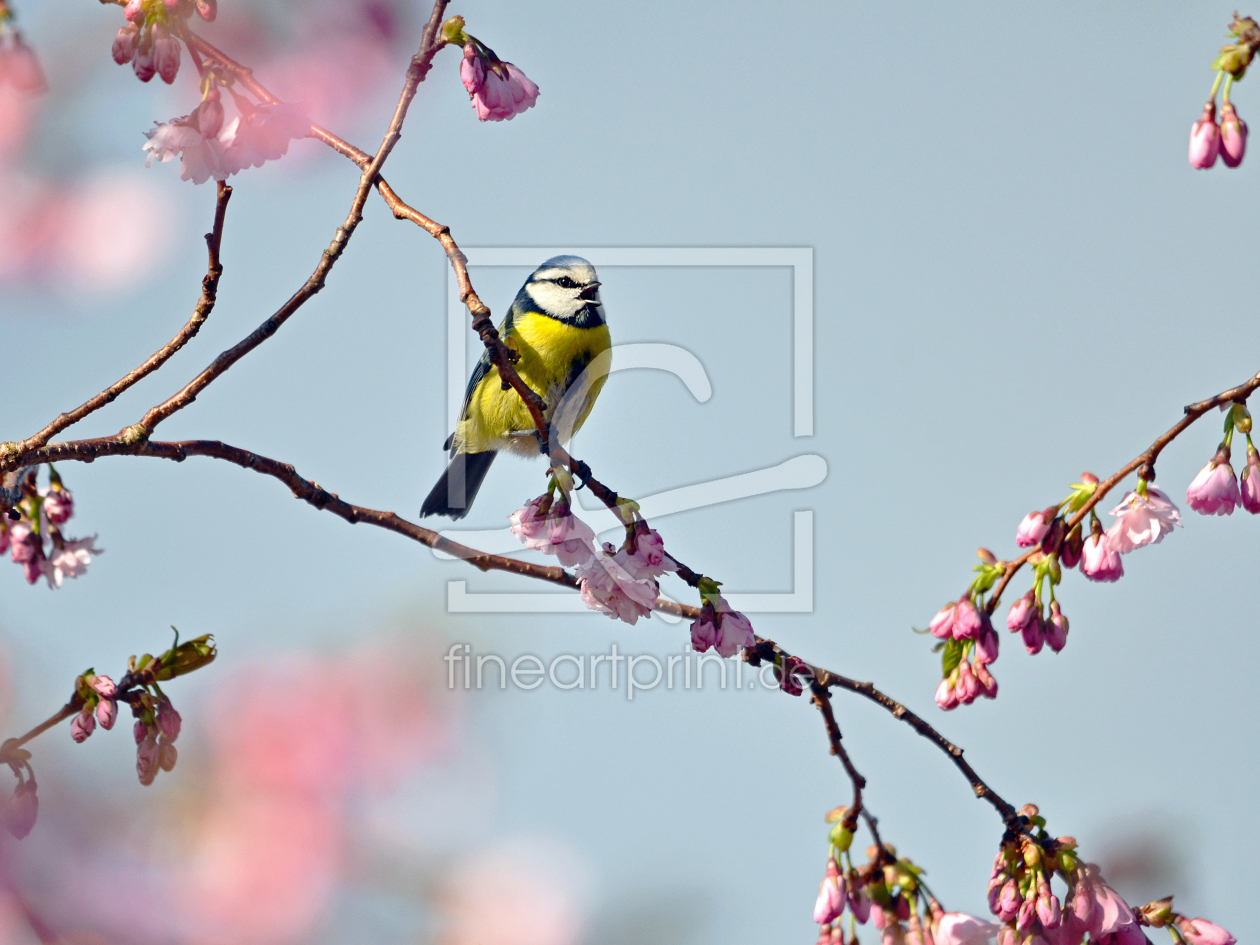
{"x":1017,"y":277}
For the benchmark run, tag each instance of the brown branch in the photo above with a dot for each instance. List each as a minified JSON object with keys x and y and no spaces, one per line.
{"x":418,"y":68}
{"x":205,"y":304}
{"x":1144,"y":459}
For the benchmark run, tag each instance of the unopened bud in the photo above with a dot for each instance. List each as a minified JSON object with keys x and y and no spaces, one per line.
{"x":841,"y":837}
{"x":453,"y":31}
{"x":1158,"y":913}
{"x":986,"y":556}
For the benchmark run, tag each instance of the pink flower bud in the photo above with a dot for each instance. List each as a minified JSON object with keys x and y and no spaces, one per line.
{"x":946,"y":696}
{"x":23,"y":809}
{"x":988,"y":685}
{"x":860,"y":905}
{"x":1214,"y":490}
{"x":1233,"y":136}
{"x":104,"y":686}
{"x":987,"y":644}
{"x":1248,"y":488}
{"x":967,"y":621}
{"x":830,"y":900}
{"x":84,"y":724}
{"x":793,"y":677}
{"x":1099,"y":562}
{"x":58,"y":505}
{"x":1009,"y":902}
{"x":1203,"y":932}
{"x":147,"y":759}
{"x":1056,"y":629}
{"x":1027,"y":914}
{"x":901,"y":906}
{"x":1032,"y":529}
{"x":879,"y":917}
{"x":134,"y":11}
{"x":472,"y":70}
{"x":107,"y":713}
{"x":1021,"y":612}
{"x":144,"y":64}
{"x":140,"y":731}
{"x":168,"y":720}
{"x":968,"y":688}
{"x":703,"y":632}
{"x":167,"y":754}
{"x":165,"y":53}
{"x":1034,"y":634}
{"x":942,"y":625}
{"x":1070,"y":550}
{"x":208,"y":9}
{"x":124,"y":49}
{"x":1205,"y":139}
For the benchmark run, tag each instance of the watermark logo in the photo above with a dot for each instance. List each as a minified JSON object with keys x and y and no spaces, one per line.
{"x":613,"y":671}
{"x":802,"y":471}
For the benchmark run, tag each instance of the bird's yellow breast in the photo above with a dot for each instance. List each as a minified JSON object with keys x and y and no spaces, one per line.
{"x":552,"y":354}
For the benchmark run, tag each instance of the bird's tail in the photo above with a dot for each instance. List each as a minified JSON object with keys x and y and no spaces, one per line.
{"x":454,"y":492}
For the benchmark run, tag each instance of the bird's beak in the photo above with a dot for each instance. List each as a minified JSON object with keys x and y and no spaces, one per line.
{"x":590,"y":291}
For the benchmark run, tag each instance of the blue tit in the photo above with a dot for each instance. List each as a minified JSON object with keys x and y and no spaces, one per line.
{"x":557,"y":330}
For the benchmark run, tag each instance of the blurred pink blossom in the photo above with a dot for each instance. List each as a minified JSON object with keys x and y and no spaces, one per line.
{"x":1203,"y":932}
{"x":958,"y":928}
{"x":71,"y":560}
{"x":21,"y":810}
{"x":84,"y":724}
{"x":19,"y":66}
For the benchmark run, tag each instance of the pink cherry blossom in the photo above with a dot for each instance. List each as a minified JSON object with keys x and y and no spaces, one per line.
{"x":1248,"y":486}
{"x":22,"y":810}
{"x":1070,"y":550}
{"x":1214,"y":490}
{"x":1205,"y":138}
{"x":210,"y":114}
{"x":1142,"y":520}
{"x":529,"y":524}
{"x":201,"y":158}
{"x":1099,"y":562}
{"x":860,"y":905}
{"x":125,"y":43}
{"x":703,"y":632}
{"x":1009,"y":901}
{"x":958,"y":928}
{"x":167,"y":754}
{"x":207,"y":9}
{"x":499,"y":90}
{"x":608,"y":587}
{"x":84,"y":724}
{"x":1032,"y":529}
{"x":735,"y":631}
{"x":967,"y":621}
{"x":1203,"y":932}
{"x":58,"y":504}
{"x":263,"y":134}
{"x":71,"y":560}
{"x":144,"y":63}
{"x":1021,"y":612}
{"x":1233,"y":136}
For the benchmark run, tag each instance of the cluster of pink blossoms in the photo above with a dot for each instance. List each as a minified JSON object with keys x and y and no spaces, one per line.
{"x":622,"y":582}
{"x":966,"y":631}
{"x":1022,"y":898}
{"x":1226,"y":139}
{"x":19,"y":66}
{"x":618,"y":583}
{"x":1145,"y":516}
{"x":31,"y":533}
{"x":499,"y":90}
{"x":100,"y":704}
{"x":889,"y":893}
{"x":149,"y":39}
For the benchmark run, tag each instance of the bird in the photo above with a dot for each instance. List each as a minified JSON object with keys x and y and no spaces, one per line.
{"x":557,"y":330}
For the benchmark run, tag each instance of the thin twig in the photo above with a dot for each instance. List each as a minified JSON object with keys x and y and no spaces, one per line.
{"x":205,"y":304}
